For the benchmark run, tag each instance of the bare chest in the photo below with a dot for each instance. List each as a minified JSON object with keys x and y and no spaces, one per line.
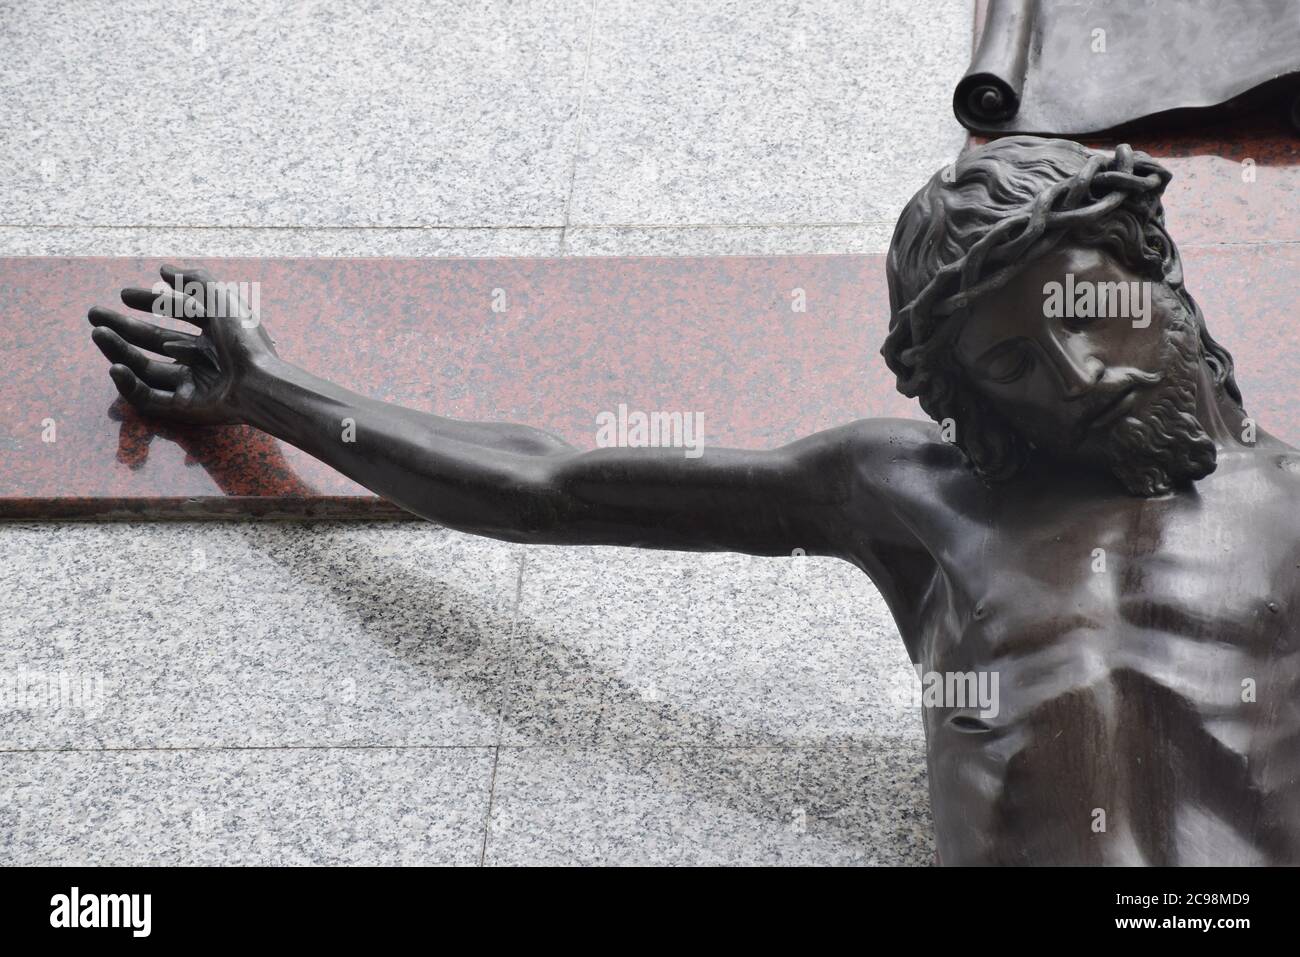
{"x":1194,"y":583}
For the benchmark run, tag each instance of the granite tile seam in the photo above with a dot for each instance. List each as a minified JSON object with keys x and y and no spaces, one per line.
{"x":558,"y":230}
{"x":563,"y":250}
{"x":162,"y":749}
{"x":510,"y":674}
{"x":491,"y":800}
{"x":500,"y":227}
{"x":579,"y":120}
{"x":313,"y":228}
{"x":508,"y":679}
{"x":864,"y":744}
{"x":1238,"y":242}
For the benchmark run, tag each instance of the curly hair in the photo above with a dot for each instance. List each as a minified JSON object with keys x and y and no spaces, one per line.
{"x":976,"y":225}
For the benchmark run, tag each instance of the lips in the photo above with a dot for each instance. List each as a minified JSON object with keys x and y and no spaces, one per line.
{"x":1117,"y":407}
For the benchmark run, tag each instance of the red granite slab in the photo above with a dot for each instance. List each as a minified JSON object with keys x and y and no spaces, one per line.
{"x":579,"y":336}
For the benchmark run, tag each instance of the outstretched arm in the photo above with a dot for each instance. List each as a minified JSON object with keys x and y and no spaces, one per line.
{"x":521,"y":484}
{"x":505,"y":481}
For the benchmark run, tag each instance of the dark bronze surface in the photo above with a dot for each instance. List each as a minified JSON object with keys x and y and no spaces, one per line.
{"x":1093,"y":518}
{"x":1083,"y":67}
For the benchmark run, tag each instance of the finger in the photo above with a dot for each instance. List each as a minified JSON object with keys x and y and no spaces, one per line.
{"x":161,"y":375}
{"x":218,"y":300}
{"x":187,"y":352}
{"x":148,"y":400}
{"x":166,"y":302}
{"x":178,"y":277}
{"x":143,"y":334}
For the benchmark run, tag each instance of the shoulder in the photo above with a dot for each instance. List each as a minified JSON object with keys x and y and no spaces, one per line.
{"x":879,"y":454}
{"x":899,"y":442}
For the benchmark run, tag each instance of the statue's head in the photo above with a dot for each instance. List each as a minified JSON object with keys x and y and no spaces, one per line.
{"x":1038,"y":308}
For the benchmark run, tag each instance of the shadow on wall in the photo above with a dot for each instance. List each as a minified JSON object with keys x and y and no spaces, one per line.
{"x":432,"y":626}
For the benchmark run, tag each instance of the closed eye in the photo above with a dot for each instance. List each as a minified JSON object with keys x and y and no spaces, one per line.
{"x":1009,"y":363}
{"x":1075,"y":323}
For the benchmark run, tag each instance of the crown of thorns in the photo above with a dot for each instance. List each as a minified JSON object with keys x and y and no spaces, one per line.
{"x":1130,"y":178}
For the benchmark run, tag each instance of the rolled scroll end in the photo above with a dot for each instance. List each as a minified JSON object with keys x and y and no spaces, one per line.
{"x":986,"y":99}
{"x":989,"y":93}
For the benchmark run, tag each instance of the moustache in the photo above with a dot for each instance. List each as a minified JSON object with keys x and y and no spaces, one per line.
{"x":1114,"y":400}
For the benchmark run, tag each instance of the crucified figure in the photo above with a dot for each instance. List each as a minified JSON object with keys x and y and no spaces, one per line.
{"x":1092,"y":517}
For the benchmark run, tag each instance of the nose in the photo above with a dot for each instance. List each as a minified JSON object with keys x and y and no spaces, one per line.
{"x":1076,"y":367}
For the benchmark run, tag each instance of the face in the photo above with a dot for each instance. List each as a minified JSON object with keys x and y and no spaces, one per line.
{"x":1091,"y":371}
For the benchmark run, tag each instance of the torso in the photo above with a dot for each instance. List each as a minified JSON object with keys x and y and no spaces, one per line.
{"x":1148,"y":662}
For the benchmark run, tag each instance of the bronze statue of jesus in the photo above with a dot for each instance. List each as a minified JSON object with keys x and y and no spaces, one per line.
{"x":1092,"y":516}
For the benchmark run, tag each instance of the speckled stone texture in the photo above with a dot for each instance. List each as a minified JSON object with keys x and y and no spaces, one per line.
{"x":710,"y":806}
{"x":236,"y":635}
{"x":720,"y":113}
{"x":684,"y":649}
{"x":1233,"y":182}
{"x":638,"y":707}
{"x":376,"y":806}
{"x":306,"y":113}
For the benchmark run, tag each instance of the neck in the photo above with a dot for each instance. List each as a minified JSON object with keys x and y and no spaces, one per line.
{"x":1219,"y":415}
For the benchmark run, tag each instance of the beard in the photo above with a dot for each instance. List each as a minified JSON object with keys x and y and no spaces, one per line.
{"x":1161,"y":442}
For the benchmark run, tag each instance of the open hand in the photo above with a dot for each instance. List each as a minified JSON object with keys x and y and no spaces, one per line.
{"x":201,"y":382}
